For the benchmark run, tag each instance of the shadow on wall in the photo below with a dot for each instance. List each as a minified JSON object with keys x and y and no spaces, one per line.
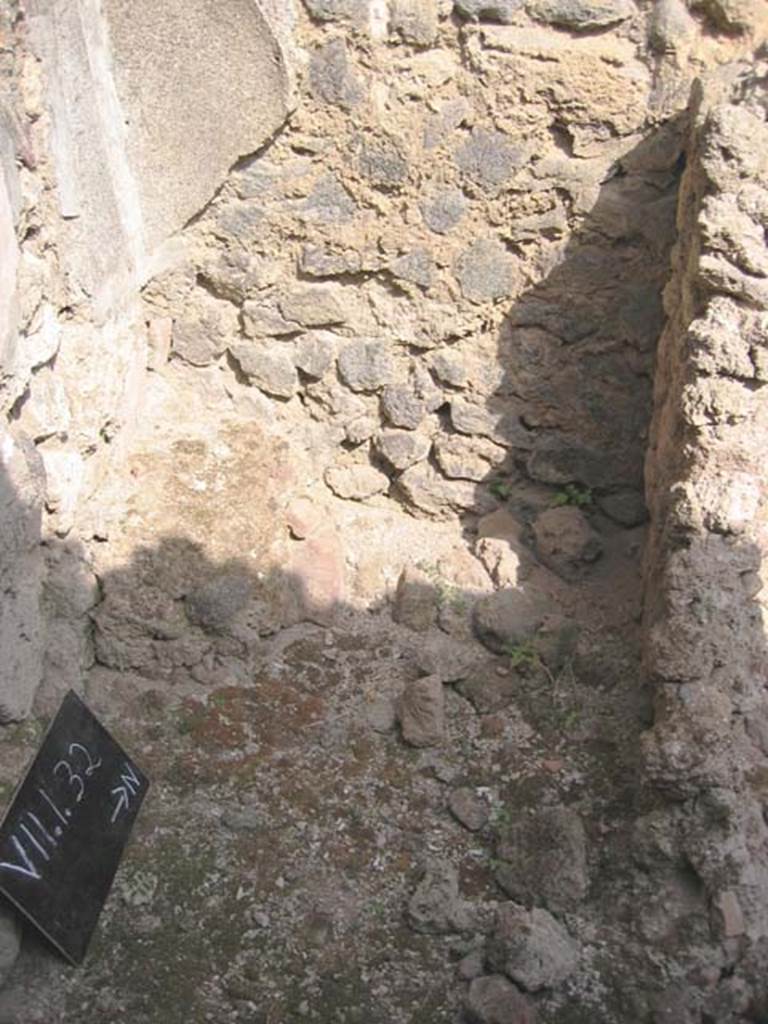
{"x":576,"y":351}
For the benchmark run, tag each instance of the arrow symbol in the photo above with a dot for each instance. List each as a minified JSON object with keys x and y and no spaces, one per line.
{"x":123,"y":801}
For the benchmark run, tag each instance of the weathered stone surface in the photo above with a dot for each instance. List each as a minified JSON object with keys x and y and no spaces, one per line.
{"x":316,"y":261}
{"x":565,"y":541}
{"x":493,"y":999}
{"x":366,"y":364}
{"x":260,"y":321}
{"x":450,"y":369}
{"x":581,"y":14}
{"x":338,"y":10}
{"x":328,"y":202}
{"x":543,"y":859}
{"x":215,"y":603}
{"x":270,"y":369}
{"x":313,"y":307}
{"x":468,"y":458}
{"x":625,"y":507}
{"x":317,"y":568}
{"x":485,"y":271}
{"x":497,"y":420}
{"x":315,"y":353}
{"x":444,"y":656}
{"x":331,"y":78}
{"x":488,"y":158}
{"x":361,"y":428}
{"x":506,"y":618}
{"x":421,"y":712}
{"x":303,"y":516}
{"x":356,"y":482}
{"x":563,"y":464}
{"x":22,"y":491}
{"x":737,"y":15}
{"x":236,"y":275}
{"x":436,"y":906}
{"x":468,"y":808}
{"x":416,"y":267}
{"x":531,"y":948}
{"x":501,"y":11}
{"x":501,"y":549}
{"x":449,"y":116}
{"x":671,"y":24}
{"x":402,"y":448}
{"x":414,"y":20}
{"x":430,"y":492}
{"x":443,"y":210}
{"x":402,"y":407}
{"x":471,"y":966}
{"x":382,"y":163}
{"x":415,"y":600}
{"x":201,"y":339}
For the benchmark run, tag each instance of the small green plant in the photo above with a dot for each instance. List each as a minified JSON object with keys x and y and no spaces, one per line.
{"x":573,"y":494}
{"x":522,"y":654}
{"x":500,"y":488}
{"x":447,"y":595}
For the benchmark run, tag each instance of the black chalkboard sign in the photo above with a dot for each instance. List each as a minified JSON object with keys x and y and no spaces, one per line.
{"x":64,"y":833}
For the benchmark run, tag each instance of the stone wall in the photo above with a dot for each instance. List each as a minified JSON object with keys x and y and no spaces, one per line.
{"x":107,"y":148}
{"x":408,"y":261}
{"x":705,"y":602}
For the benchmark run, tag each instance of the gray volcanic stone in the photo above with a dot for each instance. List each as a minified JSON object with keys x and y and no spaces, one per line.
{"x":337,"y":10}
{"x":329,"y":202}
{"x":271,"y":370}
{"x":402,"y":407}
{"x":581,"y":14}
{"x":316,"y":261}
{"x":563,"y":464}
{"x":366,"y":364}
{"x":426,"y":489}
{"x":501,"y":11}
{"x":542,"y":858}
{"x":505,"y":618}
{"x":402,"y":448}
{"x":313,"y":307}
{"x":625,"y":507}
{"x":414,"y":20}
{"x":330,"y":77}
{"x":436,"y":907}
{"x":468,"y":808}
{"x":421,"y":712}
{"x":565,"y":542}
{"x":493,"y":999}
{"x":484,"y":271}
{"x":531,"y":948}
{"x":450,"y":369}
{"x":416,"y":267}
{"x":488,"y":158}
{"x":443,"y":210}
{"x":315,"y":353}
{"x":215,"y":603}
{"x":382,"y":163}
